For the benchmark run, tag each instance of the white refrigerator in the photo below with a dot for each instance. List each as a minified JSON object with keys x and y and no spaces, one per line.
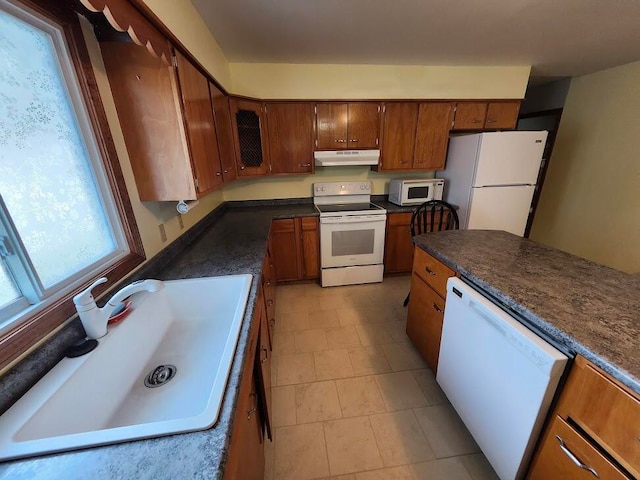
{"x":491,"y":178}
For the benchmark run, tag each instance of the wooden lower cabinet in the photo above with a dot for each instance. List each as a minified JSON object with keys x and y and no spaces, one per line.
{"x":263,"y":366}
{"x":566,"y":455}
{"x":398,"y":244}
{"x":269,"y":289}
{"x":597,"y":419}
{"x":295,"y":246}
{"x":424,"y":320}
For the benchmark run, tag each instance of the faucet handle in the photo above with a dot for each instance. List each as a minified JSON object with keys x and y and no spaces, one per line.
{"x":84,"y":300}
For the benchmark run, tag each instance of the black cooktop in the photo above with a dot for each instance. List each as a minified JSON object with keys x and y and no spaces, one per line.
{"x":348,"y":207}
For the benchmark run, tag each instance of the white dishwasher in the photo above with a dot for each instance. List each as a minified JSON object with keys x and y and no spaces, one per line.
{"x":499,"y":376}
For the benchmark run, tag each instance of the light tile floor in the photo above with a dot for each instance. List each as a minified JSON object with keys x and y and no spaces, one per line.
{"x":352,"y":399}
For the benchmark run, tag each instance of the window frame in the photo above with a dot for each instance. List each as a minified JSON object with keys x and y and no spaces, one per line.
{"x":19,"y":340}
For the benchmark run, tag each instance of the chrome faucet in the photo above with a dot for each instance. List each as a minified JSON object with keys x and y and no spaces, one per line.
{"x":94,"y":319}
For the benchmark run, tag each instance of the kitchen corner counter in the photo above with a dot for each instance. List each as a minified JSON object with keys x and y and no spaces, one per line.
{"x":591,"y":309}
{"x":235,"y":243}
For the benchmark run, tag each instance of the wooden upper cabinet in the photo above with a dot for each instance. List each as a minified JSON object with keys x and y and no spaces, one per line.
{"x":290,"y":137}
{"x":470,"y":116}
{"x":147,"y":99}
{"x":200,"y":126}
{"x":364,"y":125}
{"x":224,"y":130}
{"x":249,"y":135}
{"x":432,"y":135}
{"x":486,"y":115}
{"x":352,"y":126}
{"x":399,"y":134}
{"x":331,"y":126}
{"x":502,"y":115}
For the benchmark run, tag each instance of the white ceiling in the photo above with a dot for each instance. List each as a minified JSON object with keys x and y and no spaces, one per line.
{"x":557,"y":37}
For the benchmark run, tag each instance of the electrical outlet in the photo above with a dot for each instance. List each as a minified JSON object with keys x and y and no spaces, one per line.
{"x":180,"y":221}
{"x":163,"y":232}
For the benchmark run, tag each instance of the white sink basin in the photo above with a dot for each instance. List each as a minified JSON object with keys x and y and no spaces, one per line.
{"x":101,"y":398}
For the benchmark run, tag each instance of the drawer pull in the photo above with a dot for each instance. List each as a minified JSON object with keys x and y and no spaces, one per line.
{"x":437,"y":308}
{"x":266,"y":355}
{"x":269,"y":303}
{"x":429,"y":271}
{"x":575,"y":459}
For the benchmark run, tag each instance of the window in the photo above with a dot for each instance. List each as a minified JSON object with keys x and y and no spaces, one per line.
{"x":63,"y":219}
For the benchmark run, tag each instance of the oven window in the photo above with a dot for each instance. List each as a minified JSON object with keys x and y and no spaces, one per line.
{"x":418,"y":192}
{"x":352,"y":242}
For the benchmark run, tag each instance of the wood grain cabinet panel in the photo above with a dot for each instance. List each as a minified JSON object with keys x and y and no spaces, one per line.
{"x":432,"y":135}
{"x":424,"y":320}
{"x":200,"y":126}
{"x":399,"y":133}
{"x":562,"y":447}
{"x":224,"y":129}
{"x":398,"y":246}
{"x":502,"y":115}
{"x":470,"y":115}
{"x":364,"y":125}
{"x":331,"y":126}
{"x":269,"y":289}
{"x":290,"y":137}
{"x":285,"y":247}
{"x":146,"y":95}
{"x":310,"y":236}
{"x":249,"y":135}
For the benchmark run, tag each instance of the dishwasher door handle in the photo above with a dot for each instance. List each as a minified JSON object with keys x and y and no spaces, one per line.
{"x":495,"y":323}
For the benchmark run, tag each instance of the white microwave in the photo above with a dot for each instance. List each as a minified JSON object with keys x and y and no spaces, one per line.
{"x":415,"y":191}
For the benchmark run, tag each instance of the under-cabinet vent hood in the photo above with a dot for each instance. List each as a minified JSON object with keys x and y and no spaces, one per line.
{"x":346,"y":157}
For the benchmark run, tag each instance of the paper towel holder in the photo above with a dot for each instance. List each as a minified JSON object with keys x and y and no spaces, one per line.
{"x":183,"y":207}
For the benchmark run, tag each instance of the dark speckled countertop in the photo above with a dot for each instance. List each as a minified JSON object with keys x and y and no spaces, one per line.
{"x":235,"y":243}
{"x":591,"y":309}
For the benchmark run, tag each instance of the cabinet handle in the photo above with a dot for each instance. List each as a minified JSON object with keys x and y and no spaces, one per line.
{"x":576,"y":461}
{"x":476,"y":121}
{"x":225,"y":171}
{"x":273,"y":322}
{"x":269,"y":303}
{"x":437,"y":308}
{"x":429,"y":271}
{"x":255,"y":406}
{"x":266,"y":355}
{"x":268,"y":283}
{"x":491,"y":121}
{"x":218,"y":174}
{"x":340,"y":141}
{"x":304,"y":164}
{"x":354,"y":140}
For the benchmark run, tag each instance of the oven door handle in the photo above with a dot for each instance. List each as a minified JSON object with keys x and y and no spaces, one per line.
{"x":354,"y":219}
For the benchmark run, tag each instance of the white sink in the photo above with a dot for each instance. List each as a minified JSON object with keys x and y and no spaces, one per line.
{"x":101,"y":398}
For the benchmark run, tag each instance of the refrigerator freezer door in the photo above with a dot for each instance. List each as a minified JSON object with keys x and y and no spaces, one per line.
{"x":509,"y":158}
{"x":500,"y":208}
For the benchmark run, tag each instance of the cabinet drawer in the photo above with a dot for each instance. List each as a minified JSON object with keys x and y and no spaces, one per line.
{"x":566,"y":455}
{"x":609,"y":414}
{"x":399,"y":218}
{"x":432,"y":271}
{"x":309,"y":223}
{"x":424,"y":320}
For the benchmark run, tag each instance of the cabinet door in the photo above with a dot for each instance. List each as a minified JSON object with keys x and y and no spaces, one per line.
{"x":424,"y":320}
{"x":398,"y":247}
{"x":290,"y":135}
{"x":502,"y":115}
{"x":285,"y":249}
{"x":310,"y":247}
{"x":269,"y":289}
{"x":470,"y":116}
{"x":399,"y":134}
{"x":263,"y":367}
{"x":364,"y":125}
{"x":560,"y":451}
{"x":200,"y":126}
{"x":145,"y":93}
{"x":224,"y":129}
{"x":252,"y":157}
{"x":331,"y":126}
{"x":432,"y":135}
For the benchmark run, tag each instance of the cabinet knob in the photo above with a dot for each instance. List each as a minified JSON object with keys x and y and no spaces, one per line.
{"x":225,"y":171}
{"x":218,"y":174}
{"x":437,"y":308}
{"x":269,"y":303}
{"x":266,"y":355}
{"x":272,"y":321}
{"x":429,"y":271}
{"x":354,"y":140}
{"x":242,"y":167}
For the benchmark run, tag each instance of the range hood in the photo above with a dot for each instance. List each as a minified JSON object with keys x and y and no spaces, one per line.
{"x":346,"y":157}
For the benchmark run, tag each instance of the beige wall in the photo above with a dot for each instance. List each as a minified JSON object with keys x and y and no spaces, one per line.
{"x":184,"y":21}
{"x":150,"y":214}
{"x":277,"y":80}
{"x":301,"y":186}
{"x":590,"y":203}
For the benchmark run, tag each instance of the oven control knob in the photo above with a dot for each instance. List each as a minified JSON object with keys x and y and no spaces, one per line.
{"x":367,"y":187}
{"x":323,"y":189}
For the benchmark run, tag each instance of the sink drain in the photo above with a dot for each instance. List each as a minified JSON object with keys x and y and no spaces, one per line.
{"x":160,"y":375}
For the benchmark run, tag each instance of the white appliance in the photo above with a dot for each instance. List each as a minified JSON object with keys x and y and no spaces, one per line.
{"x":491,"y":178}
{"x":351,"y":233}
{"x":415,"y":191}
{"x":499,"y":376}
{"x":339,"y":158}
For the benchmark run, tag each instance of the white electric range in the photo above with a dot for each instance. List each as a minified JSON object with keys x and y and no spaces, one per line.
{"x":351,"y":233}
